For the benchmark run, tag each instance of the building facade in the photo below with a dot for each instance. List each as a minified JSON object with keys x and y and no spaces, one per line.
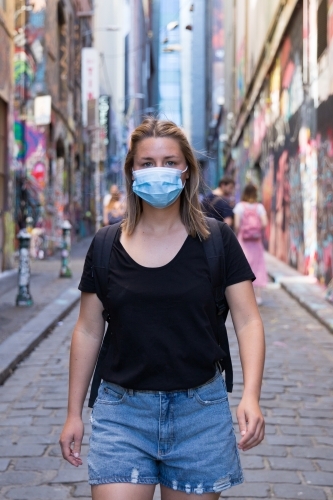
{"x":50,"y":156}
{"x":190,"y":53}
{"x":279,"y":99}
{"x":111,"y":29}
{"x":138,"y":63}
{"x":6,"y":137}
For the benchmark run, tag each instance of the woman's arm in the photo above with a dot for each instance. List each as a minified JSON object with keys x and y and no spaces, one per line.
{"x":236,"y":223}
{"x":105,"y":215}
{"x":263,"y":217}
{"x":86,"y":342}
{"x":250,"y":334}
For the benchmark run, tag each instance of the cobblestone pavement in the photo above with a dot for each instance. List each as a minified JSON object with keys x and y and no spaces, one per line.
{"x":294,"y":462}
{"x":45,"y":286}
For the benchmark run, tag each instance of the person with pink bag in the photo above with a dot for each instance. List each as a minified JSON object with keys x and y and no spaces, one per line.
{"x":250,"y":220}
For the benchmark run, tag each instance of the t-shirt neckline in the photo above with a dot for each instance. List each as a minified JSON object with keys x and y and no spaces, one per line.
{"x":153,"y":268}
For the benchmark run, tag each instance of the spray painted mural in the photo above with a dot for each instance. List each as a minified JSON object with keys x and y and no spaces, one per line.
{"x":325,"y":190}
{"x":30,"y":157}
{"x":278,"y":151}
{"x":29,"y":60}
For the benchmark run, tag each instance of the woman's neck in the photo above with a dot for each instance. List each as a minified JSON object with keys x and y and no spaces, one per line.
{"x":160,"y":221}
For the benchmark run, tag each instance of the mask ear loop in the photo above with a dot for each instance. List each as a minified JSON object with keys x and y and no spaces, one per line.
{"x":183,"y":172}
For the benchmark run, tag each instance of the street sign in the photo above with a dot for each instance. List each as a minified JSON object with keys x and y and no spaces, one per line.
{"x":42,"y":110}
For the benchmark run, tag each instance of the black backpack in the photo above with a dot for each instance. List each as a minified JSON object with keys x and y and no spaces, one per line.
{"x":214,"y":251}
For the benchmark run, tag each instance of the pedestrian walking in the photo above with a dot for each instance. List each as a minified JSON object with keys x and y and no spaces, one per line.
{"x":250,"y":220}
{"x":218,"y":203}
{"x":214,"y":206}
{"x":162,"y":413}
{"x":113,"y":206}
{"x":226,"y":188}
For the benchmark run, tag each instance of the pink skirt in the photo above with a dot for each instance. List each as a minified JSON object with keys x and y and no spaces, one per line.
{"x":254,"y":252}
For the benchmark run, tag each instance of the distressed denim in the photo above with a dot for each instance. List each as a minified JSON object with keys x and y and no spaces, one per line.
{"x":183,"y":440}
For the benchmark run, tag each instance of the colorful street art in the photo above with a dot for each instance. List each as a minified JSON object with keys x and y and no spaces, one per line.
{"x":324,"y":142}
{"x":30,"y":156}
{"x":24,"y":73}
{"x":296,"y":166}
{"x":29,"y":60}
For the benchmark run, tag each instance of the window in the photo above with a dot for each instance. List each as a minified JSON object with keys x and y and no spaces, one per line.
{"x":322,"y":27}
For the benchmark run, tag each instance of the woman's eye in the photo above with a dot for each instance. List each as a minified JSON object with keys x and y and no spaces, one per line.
{"x":170,"y":163}
{"x":147,"y":164}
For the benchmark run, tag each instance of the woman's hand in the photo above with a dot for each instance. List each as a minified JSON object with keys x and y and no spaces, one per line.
{"x":86,"y":342}
{"x":251,"y":423}
{"x":71,"y":439}
{"x":250,"y":334}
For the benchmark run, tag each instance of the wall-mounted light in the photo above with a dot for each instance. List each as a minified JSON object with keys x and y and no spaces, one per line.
{"x":172,"y":25}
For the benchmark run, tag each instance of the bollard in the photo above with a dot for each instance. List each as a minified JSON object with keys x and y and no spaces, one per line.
{"x":24,"y":298}
{"x":65,"y":271}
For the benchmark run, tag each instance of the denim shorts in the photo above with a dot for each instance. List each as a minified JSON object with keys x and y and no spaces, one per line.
{"x":182,"y":439}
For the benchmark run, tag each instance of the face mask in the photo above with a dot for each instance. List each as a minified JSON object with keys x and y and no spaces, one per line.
{"x":158,"y":186}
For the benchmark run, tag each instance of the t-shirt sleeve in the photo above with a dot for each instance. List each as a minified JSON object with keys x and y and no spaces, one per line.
{"x":236,"y":265}
{"x":238,"y":209}
{"x":87,"y":283}
{"x":261,"y":209}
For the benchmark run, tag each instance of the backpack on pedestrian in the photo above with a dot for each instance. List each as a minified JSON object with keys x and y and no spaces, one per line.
{"x":214,"y":251}
{"x":250,"y":224}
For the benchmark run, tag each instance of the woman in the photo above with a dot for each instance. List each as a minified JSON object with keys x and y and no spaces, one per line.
{"x":114,"y":208}
{"x":162,"y":414}
{"x":250,"y":220}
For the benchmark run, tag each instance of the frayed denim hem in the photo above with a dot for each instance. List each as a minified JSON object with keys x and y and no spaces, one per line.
{"x":201,"y":489}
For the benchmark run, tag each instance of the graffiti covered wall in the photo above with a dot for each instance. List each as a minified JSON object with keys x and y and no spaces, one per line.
{"x":30,"y":146}
{"x":279,"y":152}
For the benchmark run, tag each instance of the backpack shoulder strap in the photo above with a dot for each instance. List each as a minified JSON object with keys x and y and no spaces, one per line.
{"x":214,"y":250}
{"x":104,"y":239}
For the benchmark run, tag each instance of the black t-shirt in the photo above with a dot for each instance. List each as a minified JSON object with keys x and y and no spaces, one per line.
{"x":216,"y":207}
{"x":163,"y":320}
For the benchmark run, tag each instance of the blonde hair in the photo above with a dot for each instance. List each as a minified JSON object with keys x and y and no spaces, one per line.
{"x":190,"y":209}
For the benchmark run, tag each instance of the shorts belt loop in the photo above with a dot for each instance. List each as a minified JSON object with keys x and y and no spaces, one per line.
{"x":190,"y":393}
{"x":130,"y":392}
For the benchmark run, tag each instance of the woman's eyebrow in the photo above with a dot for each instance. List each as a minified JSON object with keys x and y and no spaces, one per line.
{"x":165,"y":157}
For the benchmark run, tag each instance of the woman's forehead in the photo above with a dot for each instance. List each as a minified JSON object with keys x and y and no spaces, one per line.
{"x":158,"y":146}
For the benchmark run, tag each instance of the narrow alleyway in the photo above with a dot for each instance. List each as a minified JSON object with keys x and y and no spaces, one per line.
{"x":295,"y":461}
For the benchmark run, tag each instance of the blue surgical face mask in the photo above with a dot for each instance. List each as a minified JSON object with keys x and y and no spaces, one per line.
{"x":158,"y":186}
